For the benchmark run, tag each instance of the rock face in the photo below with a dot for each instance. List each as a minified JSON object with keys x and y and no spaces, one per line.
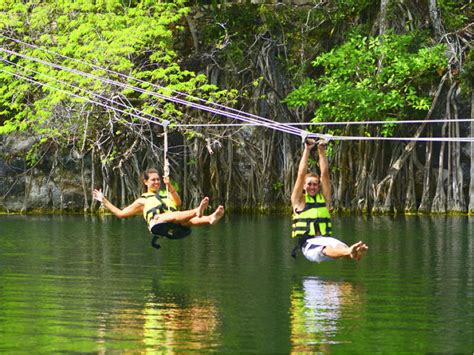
{"x":49,"y":186}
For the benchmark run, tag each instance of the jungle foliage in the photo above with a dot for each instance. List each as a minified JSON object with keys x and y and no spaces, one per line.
{"x":355,"y":60}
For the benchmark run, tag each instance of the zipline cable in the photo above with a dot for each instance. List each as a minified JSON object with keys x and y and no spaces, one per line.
{"x":268,"y":123}
{"x":215,"y":104}
{"x":330,"y":123}
{"x":240,"y":124}
{"x":240,"y":113}
{"x":141,"y":113}
{"x":77,"y":96}
{"x":155,"y":120}
{"x":273,"y":125}
{"x":308,"y":135}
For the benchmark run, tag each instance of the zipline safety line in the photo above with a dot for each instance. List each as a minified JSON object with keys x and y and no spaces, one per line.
{"x":239,"y":113}
{"x":87,"y":92}
{"x":273,"y":125}
{"x":76,"y":96}
{"x":215,"y":104}
{"x":308,"y":135}
{"x":412,"y":139}
{"x":239,"y":124}
{"x":242,"y":113}
{"x":249,"y":121}
{"x":166,"y":167}
{"x":329,"y":123}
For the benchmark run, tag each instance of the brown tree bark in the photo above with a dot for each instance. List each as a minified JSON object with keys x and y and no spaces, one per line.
{"x":426,"y":199}
{"x":410,"y":196}
{"x":471,"y":184}
{"x":455,"y":201}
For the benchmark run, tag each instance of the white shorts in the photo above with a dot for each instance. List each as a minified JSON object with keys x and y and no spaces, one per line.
{"x":313,"y":248}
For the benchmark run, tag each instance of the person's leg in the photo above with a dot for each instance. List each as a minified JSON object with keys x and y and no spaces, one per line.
{"x":319,"y":249}
{"x":181,"y":217}
{"x":355,"y":251}
{"x":204,"y":220}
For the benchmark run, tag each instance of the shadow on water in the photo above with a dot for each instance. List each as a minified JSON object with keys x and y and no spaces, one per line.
{"x":92,"y":284}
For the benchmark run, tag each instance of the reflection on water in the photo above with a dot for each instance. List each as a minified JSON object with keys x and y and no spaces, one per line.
{"x":93,"y":285}
{"x":316,"y":307}
{"x":179,"y":325}
{"x":160,"y":325}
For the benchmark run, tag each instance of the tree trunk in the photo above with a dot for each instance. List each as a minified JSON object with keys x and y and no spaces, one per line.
{"x":471,"y":184}
{"x":410,"y":198}
{"x":435,"y":18}
{"x":383,"y":25}
{"x":361,"y":181}
{"x":439,"y":200}
{"x":426,"y":200}
{"x":384,"y":190}
{"x":455,"y":201}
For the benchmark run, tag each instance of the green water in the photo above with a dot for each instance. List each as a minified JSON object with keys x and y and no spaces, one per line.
{"x":90,"y":284}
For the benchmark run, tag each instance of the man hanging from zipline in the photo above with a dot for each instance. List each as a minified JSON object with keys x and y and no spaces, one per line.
{"x":310,"y":200}
{"x":160,"y":210}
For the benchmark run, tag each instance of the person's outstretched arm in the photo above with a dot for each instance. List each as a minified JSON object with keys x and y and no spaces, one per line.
{"x":297,"y":196}
{"x":129,"y":211}
{"x":325,"y":177}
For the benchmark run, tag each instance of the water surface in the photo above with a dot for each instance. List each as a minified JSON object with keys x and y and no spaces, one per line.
{"x":92,"y":284}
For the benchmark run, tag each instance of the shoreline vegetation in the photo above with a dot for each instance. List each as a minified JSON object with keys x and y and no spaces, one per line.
{"x":337,"y":69}
{"x":286,"y":212}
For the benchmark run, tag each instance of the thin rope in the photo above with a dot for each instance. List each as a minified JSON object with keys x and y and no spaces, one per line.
{"x":240,"y":113}
{"x":330,"y":123}
{"x":274,"y":125}
{"x":323,"y":136}
{"x":166,"y":168}
{"x":87,"y":92}
{"x":226,"y":107}
{"x":76,"y":96}
{"x":270,"y":123}
{"x":329,"y":137}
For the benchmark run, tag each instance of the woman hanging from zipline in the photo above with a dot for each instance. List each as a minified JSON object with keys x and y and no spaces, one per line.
{"x":160,"y":210}
{"x":310,"y":200}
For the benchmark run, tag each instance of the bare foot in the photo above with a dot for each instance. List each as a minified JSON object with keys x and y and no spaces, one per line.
{"x":353,"y":250}
{"x":202,"y":207}
{"x":361,"y":251}
{"x":217,"y":215}
{"x":358,"y":250}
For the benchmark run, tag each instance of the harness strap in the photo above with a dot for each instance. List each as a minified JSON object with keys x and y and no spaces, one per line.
{"x":162,"y":207}
{"x":300,"y":243}
{"x":309,"y":205}
{"x":316,"y":221}
{"x":154,"y":243}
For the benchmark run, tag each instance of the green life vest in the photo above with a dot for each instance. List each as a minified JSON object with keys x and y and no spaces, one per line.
{"x":156,"y":203}
{"x":313,"y":220}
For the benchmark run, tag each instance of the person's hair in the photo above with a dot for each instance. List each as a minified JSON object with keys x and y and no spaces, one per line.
{"x":311,"y":174}
{"x":147,"y":172}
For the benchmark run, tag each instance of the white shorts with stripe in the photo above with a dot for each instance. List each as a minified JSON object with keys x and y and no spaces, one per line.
{"x":313,"y":248}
